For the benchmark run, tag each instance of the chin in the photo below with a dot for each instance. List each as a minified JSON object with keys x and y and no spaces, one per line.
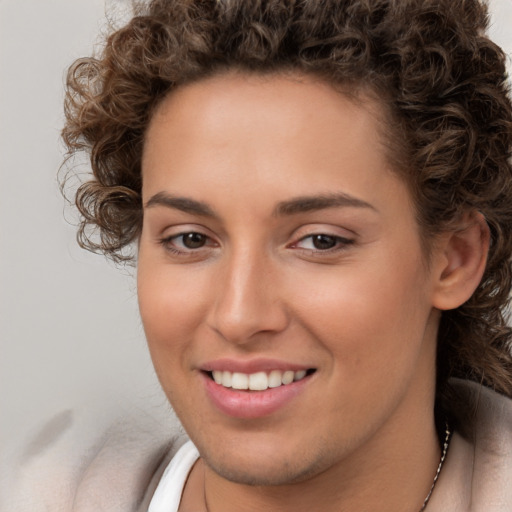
{"x":272,"y":471}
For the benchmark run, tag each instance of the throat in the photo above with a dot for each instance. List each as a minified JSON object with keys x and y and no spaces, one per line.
{"x":192,"y":498}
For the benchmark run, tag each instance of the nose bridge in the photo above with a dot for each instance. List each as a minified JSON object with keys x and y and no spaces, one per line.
{"x":246,"y":300}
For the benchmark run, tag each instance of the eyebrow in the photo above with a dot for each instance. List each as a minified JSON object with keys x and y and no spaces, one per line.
{"x":319,"y":202}
{"x":294,"y":206}
{"x":183,"y":204}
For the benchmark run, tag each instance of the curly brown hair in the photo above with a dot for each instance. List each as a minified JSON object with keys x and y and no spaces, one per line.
{"x":429,"y":62}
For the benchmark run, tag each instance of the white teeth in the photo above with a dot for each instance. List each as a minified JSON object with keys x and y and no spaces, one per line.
{"x":299,"y":375}
{"x":274,"y":379}
{"x":287,"y":377}
{"x":226,"y":379}
{"x":240,"y":381}
{"x":259,"y":381}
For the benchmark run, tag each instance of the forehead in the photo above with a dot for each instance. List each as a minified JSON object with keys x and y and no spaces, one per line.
{"x":267,"y":139}
{"x":252,"y":100}
{"x":260,"y":112}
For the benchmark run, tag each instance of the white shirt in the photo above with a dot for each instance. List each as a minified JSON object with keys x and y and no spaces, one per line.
{"x":168,"y":494}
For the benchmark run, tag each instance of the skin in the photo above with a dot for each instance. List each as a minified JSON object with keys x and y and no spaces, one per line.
{"x":363,"y":314}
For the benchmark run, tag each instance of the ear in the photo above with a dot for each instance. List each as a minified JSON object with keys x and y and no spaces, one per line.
{"x":461,"y":256}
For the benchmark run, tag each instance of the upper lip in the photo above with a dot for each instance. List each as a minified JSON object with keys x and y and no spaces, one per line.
{"x":251,"y":366}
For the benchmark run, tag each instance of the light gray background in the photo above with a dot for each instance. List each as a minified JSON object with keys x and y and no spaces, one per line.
{"x":70,"y":335}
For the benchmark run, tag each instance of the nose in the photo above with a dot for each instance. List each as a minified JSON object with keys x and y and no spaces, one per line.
{"x":247,"y":299}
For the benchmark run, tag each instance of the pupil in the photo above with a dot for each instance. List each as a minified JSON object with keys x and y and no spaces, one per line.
{"x":194,"y":240}
{"x":324,"y":242}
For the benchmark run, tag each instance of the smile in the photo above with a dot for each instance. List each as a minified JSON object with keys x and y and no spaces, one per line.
{"x":255,"y":395}
{"x":259,"y":381}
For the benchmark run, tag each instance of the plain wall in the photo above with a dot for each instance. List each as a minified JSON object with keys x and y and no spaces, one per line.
{"x":70,"y":334}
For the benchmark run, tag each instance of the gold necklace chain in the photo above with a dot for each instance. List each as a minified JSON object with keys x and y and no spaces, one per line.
{"x":446,"y":444}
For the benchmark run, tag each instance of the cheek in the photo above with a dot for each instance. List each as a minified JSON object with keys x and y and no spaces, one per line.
{"x":370,"y":317}
{"x":171,"y":307}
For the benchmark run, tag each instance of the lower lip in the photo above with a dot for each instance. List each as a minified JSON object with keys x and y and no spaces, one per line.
{"x":252,"y":404}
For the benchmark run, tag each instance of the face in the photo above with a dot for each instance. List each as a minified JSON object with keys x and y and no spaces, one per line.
{"x":282,"y":285}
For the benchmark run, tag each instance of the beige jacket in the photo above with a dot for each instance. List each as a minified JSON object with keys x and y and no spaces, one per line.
{"x":121,"y":470}
{"x":477,"y":476}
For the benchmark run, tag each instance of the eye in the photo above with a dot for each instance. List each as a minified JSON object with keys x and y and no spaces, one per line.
{"x":193,"y":240}
{"x":323,"y":242}
{"x":186,"y":242}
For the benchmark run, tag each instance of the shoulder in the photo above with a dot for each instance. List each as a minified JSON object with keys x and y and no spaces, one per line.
{"x":489,"y":415}
{"x":72,"y":465}
{"x":478,"y":469}
{"x":491,"y":443}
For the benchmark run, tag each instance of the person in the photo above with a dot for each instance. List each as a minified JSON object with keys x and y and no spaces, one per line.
{"x":318,"y":198}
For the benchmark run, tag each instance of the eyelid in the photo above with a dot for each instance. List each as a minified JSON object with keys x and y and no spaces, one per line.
{"x":175,"y":232}
{"x":342,"y":242}
{"x":180,"y":235}
{"x":344,"y":239}
{"x":313,"y":229}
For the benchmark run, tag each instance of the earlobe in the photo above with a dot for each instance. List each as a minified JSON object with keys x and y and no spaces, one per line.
{"x":461,"y":257}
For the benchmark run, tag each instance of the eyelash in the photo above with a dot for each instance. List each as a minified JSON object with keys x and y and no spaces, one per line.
{"x":167,"y":243}
{"x":341,"y":244}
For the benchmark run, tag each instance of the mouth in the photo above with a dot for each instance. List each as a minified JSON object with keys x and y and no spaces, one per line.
{"x":259,"y":389}
{"x":258,"y":381}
